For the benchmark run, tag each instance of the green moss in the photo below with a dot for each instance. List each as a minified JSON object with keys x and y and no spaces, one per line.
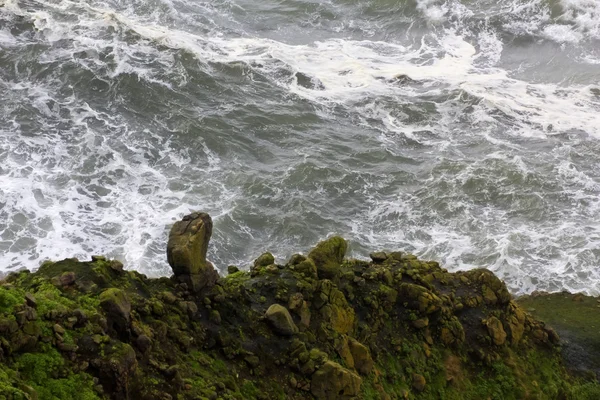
{"x":47,"y":373}
{"x":586,"y":391}
{"x":9,"y":298}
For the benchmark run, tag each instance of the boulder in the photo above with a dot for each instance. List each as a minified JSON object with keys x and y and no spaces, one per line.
{"x":280,"y":320}
{"x":378,"y":257}
{"x":361,"y":356}
{"x":186,"y":251}
{"x":334,"y":382}
{"x":264,"y":260}
{"x":328,"y":256}
{"x":495,"y":330}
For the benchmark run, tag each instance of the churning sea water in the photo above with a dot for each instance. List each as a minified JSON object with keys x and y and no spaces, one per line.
{"x":466,"y":132}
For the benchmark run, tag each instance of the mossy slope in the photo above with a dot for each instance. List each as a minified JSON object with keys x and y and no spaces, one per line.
{"x":394,"y":328}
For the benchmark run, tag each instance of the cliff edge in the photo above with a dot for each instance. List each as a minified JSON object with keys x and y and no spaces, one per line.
{"x":318,"y":326}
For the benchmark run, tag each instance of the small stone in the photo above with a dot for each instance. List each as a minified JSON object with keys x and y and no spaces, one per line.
{"x":117,"y":307}
{"x":67,"y":347}
{"x":419,"y":382}
{"x":578,"y":297}
{"x":98,"y":258}
{"x":421,"y":323}
{"x":378,"y":257}
{"x":58,"y":329}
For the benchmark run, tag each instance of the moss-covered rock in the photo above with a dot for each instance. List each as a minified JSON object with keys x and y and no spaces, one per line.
{"x":332,"y":382}
{"x":187,"y":248}
{"x":280,"y":320}
{"x":394,"y":328}
{"x":328,"y":256}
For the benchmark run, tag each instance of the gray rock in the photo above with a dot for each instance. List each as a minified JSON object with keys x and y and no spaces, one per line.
{"x":280,"y":320}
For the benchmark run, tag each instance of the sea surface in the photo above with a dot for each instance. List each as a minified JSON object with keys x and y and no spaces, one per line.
{"x":466,"y":132}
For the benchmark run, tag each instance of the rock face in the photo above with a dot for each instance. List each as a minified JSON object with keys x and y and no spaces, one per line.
{"x":187,"y":248}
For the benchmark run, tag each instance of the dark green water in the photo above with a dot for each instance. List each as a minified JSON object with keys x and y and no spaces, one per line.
{"x":465,"y":132}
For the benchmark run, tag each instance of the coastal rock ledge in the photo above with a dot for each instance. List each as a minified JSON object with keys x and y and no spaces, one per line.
{"x":320,"y":326}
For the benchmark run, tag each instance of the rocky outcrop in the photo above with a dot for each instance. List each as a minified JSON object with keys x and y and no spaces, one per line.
{"x":328,"y":256}
{"x":187,"y":248}
{"x":320,"y":326}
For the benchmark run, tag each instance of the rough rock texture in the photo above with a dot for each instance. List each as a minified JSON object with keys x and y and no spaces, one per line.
{"x":394,"y":328}
{"x":186,"y":251}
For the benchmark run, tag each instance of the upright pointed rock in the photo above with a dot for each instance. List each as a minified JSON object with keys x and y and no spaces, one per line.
{"x":186,"y":251}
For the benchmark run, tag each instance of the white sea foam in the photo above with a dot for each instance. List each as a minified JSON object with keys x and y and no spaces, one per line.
{"x":101,"y":185}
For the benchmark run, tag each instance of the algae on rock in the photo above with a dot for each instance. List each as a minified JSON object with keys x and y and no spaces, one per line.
{"x":319,"y":327}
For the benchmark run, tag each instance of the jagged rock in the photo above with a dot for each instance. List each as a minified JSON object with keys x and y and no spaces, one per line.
{"x":343,"y":349}
{"x":280,"y":320}
{"x":418,"y":297}
{"x":333,"y":307}
{"x":300,"y":307}
{"x":334,"y":382}
{"x":452,"y":332}
{"x":187,"y":248}
{"x":361,"y":356}
{"x":491,"y":282}
{"x":516,"y":323}
{"x":117,"y":307}
{"x":495,"y":330}
{"x":328,"y":256}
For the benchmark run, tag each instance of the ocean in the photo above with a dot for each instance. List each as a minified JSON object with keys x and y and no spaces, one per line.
{"x":466,"y":132}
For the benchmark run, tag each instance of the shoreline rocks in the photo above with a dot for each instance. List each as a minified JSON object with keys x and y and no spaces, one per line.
{"x":319,"y":327}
